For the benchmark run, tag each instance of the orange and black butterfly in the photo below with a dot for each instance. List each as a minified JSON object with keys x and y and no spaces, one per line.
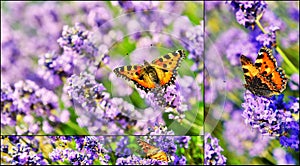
{"x":263,"y":78}
{"x":161,"y":72}
{"x":153,"y":152}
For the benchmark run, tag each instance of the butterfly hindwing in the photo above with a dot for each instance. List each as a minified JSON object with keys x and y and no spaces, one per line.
{"x":279,"y":79}
{"x":152,"y":151}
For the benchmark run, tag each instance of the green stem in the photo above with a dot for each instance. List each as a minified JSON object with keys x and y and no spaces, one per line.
{"x":286,"y":60}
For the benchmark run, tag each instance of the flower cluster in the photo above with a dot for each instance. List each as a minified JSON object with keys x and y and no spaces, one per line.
{"x":272,"y":117}
{"x":247,"y":12}
{"x":18,"y":152}
{"x":89,"y":149}
{"x":269,"y":38}
{"x":104,"y":111}
{"x":134,"y":160}
{"x":24,"y":101}
{"x":193,"y":41}
{"x":55,"y":68}
{"x":122,"y":150}
{"x":212,"y":151}
{"x":246,"y":140}
{"x":282,"y":157}
{"x":78,"y":40}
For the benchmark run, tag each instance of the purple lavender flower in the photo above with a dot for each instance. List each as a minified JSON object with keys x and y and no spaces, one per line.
{"x":272,"y":117}
{"x":168,"y":99}
{"x":247,"y":11}
{"x":192,"y":39}
{"x":122,"y":150}
{"x":282,"y":157}
{"x":182,"y":141}
{"x":57,"y":67}
{"x":8,"y":109}
{"x":30,"y":101}
{"x":179,"y":160}
{"x":21,"y":153}
{"x":162,"y":137}
{"x":88,"y":149}
{"x":190,"y":88}
{"x":241,"y":138}
{"x":139,"y":12}
{"x":194,"y":43}
{"x":239,"y":44}
{"x":290,"y":135}
{"x":86,"y":91}
{"x":134,"y":160}
{"x":12,"y":58}
{"x":212,"y":152}
{"x":129,"y":6}
{"x":78,"y":40}
{"x":293,"y":105}
{"x":98,"y":18}
{"x":268,"y":39}
{"x":294,"y":82}
{"x":293,"y":10}
{"x":104,"y":111}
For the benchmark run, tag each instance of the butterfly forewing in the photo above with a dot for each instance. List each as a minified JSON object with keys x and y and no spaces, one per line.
{"x":170,"y":61}
{"x":248,"y":68}
{"x":167,"y":65}
{"x":265,"y":61}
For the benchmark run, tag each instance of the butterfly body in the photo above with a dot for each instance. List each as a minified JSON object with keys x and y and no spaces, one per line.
{"x":160,"y":73}
{"x":263,"y":78}
{"x":153,"y":152}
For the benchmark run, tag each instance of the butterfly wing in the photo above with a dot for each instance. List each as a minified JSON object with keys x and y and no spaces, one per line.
{"x":147,"y":147}
{"x":160,"y":155}
{"x":152,"y":151}
{"x":278,"y":79}
{"x":137,"y":74}
{"x":248,"y":68}
{"x":265,"y":61}
{"x":267,"y":65}
{"x":167,"y":65}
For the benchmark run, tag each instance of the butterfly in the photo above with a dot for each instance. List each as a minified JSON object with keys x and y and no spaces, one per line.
{"x":263,"y":78}
{"x":161,"y":72}
{"x":153,"y":152}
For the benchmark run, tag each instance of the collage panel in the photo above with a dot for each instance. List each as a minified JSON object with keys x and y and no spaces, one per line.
{"x":150,"y":83}
{"x":252,"y":95}
{"x":102,"y":150}
{"x":101,"y":68}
